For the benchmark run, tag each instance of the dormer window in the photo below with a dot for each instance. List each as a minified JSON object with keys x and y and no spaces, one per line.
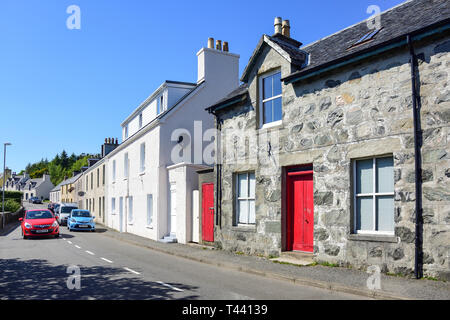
{"x":270,"y":101}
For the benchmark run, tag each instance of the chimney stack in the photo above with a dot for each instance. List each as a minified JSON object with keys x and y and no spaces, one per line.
{"x":277,"y":24}
{"x":225,"y":46}
{"x":219,"y":45}
{"x":286,"y":29}
{"x":211,"y":43}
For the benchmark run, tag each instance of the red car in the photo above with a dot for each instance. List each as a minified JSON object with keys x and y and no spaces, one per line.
{"x":39,"y":223}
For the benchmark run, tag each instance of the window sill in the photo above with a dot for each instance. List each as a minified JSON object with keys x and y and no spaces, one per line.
{"x":373,"y":237}
{"x":244,"y":228}
{"x":141,"y":173}
{"x":272,"y":125}
{"x":149,"y":226}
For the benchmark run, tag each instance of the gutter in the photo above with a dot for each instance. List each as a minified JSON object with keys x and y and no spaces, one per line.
{"x":367,"y":53}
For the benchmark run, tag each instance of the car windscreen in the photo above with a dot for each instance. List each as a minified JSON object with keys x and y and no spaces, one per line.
{"x":67,"y":209}
{"x":84,"y":214}
{"x":39,"y":215}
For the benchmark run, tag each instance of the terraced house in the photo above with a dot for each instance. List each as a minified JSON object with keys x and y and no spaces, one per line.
{"x":152,"y":173}
{"x":339,"y":149}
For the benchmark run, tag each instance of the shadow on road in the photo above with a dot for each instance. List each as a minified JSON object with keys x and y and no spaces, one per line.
{"x":38,"y":279}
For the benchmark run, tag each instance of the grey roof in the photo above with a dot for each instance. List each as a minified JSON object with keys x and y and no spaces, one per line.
{"x":236,"y":95}
{"x":286,"y":47}
{"x":57,"y":188}
{"x":71,"y":180}
{"x":396,"y":23}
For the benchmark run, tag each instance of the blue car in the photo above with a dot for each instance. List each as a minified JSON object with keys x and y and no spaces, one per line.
{"x":80,"y":220}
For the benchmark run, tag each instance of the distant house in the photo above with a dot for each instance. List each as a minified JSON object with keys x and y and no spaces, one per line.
{"x":329,"y":149}
{"x":55,"y":193}
{"x":39,"y":188}
{"x":68,"y":193}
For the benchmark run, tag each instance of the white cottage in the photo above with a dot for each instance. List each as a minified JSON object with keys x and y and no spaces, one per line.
{"x":152,"y":174}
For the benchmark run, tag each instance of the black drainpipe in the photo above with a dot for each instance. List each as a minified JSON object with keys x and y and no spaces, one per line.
{"x":218,"y":183}
{"x":418,"y":262}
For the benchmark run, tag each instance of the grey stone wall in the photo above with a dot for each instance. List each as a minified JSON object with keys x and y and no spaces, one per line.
{"x":361,"y":111}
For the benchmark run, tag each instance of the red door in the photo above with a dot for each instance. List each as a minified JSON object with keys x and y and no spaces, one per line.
{"x":300,"y":211}
{"x":208,"y":212}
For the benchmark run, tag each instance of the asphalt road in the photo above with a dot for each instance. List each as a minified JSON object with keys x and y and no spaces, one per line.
{"x":46,"y":268}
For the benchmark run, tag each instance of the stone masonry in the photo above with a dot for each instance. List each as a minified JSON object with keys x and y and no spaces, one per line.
{"x":364,"y":110}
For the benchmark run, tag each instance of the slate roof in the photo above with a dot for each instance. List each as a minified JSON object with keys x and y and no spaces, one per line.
{"x":240,"y":92}
{"x":409,"y":17}
{"x":70,"y":180}
{"x":396,"y":23}
{"x":286,"y":47}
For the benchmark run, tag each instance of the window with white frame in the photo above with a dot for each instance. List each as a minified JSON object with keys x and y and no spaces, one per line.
{"x":245,"y":198}
{"x":374,"y":195}
{"x":113,"y":205}
{"x":160,"y":104}
{"x":125,"y":165}
{"x":140,"y":120}
{"x":149,"y":209}
{"x":142,"y":162}
{"x":126,"y":131}
{"x":114,"y":171}
{"x":130,"y":209}
{"x":270,"y":98}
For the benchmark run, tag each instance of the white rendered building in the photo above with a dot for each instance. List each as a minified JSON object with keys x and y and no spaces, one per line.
{"x":151,"y":174}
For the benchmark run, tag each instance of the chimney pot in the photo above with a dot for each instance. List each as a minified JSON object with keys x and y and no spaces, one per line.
{"x":286,"y":29}
{"x":211,"y":43}
{"x":117,"y":141}
{"x":219,"y":45}
{"x":225,"y":46}
{"x":277,"y":25}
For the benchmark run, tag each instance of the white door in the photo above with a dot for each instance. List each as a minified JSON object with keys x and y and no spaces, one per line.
{"x":173,"y":208}
{"x":195,"y":217}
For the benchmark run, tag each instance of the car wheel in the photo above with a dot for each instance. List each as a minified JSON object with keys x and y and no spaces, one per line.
{"x":57,"y":236}
{"x":23,"y":235}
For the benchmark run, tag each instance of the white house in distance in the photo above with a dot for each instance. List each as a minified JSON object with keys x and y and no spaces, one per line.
{"x":39,"y":188}
{"x":152,"y":173}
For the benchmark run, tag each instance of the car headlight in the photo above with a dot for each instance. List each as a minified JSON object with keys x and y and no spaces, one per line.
{"x":55,"y":224}
{"x":73,"y":220}
{"x":28,"y":226}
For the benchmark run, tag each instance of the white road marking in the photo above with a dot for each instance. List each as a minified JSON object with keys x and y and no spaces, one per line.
{"x":169,"y":286}
{"x":70,"y":242}
{"x":128,"y":269}
{"x":64,"y":239}
{"x":77,"y":247}
{"x":91,"y":253}
{"x":106,"y":260}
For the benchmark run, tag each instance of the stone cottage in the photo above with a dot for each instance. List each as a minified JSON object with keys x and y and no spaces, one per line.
{"x":331,"y":148}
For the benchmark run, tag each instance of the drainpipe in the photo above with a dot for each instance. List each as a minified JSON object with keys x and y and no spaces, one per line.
{"x":218,"y":183}
{"x":418,"y":263}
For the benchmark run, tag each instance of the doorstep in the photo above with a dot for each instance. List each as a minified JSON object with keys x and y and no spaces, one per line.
{"x":295,"y":257}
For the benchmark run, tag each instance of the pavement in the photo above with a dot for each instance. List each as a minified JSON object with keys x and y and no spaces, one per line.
{"x":337,"y":279}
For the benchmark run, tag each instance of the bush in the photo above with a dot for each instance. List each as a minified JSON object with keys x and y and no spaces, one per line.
{"x":16,"y":195}
{"x":12,"y":205}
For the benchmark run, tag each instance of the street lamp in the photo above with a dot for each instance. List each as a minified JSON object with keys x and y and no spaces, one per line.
{"x":4,"y":178}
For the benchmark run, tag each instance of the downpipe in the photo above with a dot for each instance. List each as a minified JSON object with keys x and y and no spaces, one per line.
{"x":418,"y":255}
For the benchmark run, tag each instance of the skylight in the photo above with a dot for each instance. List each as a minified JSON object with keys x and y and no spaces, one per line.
{"x":368,"y":36}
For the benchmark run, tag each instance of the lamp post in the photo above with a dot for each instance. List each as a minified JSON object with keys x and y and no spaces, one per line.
{"x":4,"y":178}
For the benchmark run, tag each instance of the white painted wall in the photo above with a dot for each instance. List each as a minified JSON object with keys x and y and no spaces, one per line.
{"x":220,"y":73}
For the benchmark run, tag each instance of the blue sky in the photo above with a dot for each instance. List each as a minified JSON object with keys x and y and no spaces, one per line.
{"x":69,"y":89}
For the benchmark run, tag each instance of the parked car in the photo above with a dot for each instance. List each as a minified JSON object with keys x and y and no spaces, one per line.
{"x":39,"y":223}
{"x":35,"y":200}
{"x":81,"y":220}
{"x":50,"y":207}
{"x":64,"y":211}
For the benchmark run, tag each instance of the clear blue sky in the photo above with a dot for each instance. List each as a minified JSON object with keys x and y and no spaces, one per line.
{"x":69,"y":89}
